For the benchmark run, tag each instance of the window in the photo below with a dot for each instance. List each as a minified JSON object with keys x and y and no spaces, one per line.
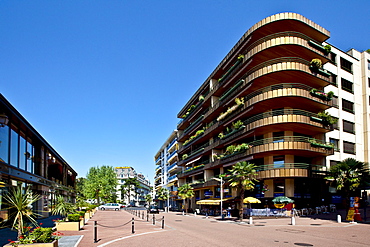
{"x":279,"y":186}
{"x":336,"y":125}
{"x":335,"y":142}
{"x":279,"y":161}
{"x":345,"y":65}
{"x":4,"y":144}
{"x":347,"y":85}
{"x":348,"y":106}
{"x":333,"y":163}
{"x":333,"y":79}
{"x":348,"y":126}
{"x":13,"y":148}
{"x":349,"y":147}
{"x":278,"y":136}
{"x":368,"y":64}
{"x":368,"y":80}
{"x":332,"y":57}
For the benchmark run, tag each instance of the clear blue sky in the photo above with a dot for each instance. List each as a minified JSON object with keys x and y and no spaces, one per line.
{"x":103,"y":81}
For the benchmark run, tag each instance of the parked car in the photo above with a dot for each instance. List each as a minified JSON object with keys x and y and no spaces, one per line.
{"x":114,"y":206}
{"x":153,"y":210}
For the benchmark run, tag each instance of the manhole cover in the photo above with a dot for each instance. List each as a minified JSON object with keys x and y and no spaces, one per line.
{"x":303,"y":244}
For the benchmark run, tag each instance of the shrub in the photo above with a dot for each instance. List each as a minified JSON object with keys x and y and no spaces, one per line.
{"x":73,"y":217}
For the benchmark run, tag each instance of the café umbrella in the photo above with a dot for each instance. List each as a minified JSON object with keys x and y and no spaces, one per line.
{"x":251,"y":200}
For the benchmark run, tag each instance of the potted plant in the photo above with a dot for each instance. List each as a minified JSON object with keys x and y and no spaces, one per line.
{"x":327,"y":119}
{"x":327,"y":49}
{"x":73,"y":222}
{"x":316,"y":64}
{"x":38,"y":237}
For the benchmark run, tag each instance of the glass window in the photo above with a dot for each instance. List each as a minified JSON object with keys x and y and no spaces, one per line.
{"x":348,"y":106}
{"x":22,"y":153}
{"x":14,"y":148}
{"x":347,"y":85}
{"x":345,"y":65}
{"x":278,"y":136}
{"x":348,"y":126}
{"x":332,"y":57}
{"x":30,"y":157}
{"x":349,"y":147}
{"x":279,"y":161}
{"x":279,"y":186}
{"x":335,"y":142}
{"x":333,"y":79}
{"x":4,"y":144}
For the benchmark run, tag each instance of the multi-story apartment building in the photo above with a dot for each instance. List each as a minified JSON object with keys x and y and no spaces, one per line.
{"x":265,"y":103}
{"x":135,"y":195}
{"x":166,"y":160}
{"x":28,"y":160}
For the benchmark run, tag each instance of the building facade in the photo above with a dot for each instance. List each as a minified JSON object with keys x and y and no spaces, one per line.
{"x":28,"y":160}
{"x":271,"y":102}
{"x":133,"y":195}
{"x":167,"y":168}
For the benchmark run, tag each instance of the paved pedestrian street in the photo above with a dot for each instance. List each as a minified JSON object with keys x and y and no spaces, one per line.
{"x":115,"y":229}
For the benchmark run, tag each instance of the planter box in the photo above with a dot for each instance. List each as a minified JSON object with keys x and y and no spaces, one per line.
{"x":52,"y":244}
{"x":68,"y":226}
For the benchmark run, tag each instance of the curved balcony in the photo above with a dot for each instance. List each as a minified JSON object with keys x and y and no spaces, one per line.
{"x":297,"y":145}
{"x":285,"y":170}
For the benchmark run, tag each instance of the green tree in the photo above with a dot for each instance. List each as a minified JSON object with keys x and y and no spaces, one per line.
{"x":348,"y":175}
{"x":186,"y":192}
{"x":131,"y":185}
{"x":242,"y":176}
{"x":21,"y":205}
{"x":163,"y":194}
{"x":148,"y":199}
{"x":101,"y":183}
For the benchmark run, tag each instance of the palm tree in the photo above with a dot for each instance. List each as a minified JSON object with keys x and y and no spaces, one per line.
{"x":242,"y":176}
{"x":185,"y":191}
{"x":21,"y":203}
{"x":163,"y":194}
{"x":348,"y":175}
{"x":62,"y":207}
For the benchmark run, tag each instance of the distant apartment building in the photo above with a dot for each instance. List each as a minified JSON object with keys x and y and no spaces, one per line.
{"x":28,"y":160}
{"x":268,"y":102}
{"x":133,"y":195}
{"x":166,"y":161}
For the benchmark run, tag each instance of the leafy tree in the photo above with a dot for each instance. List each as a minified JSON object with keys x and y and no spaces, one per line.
{"x":163,"y":194}
{"x":242,"y":176}
{"x":131,"y":185}
{"x":21,"y":205}
{"x":101,"y":182}
{"x":186,"y":192}
{"x":348,"y":175}
{"x":148,"y":199}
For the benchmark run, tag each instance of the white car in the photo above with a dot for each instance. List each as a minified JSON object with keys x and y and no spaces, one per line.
{"x":114,"y":206}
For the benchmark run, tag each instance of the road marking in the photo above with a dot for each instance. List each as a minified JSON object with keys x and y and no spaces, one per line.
{"x":136,"y":235}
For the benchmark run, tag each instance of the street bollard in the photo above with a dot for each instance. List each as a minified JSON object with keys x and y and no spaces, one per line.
{"x":293,"y":221}
{"x":162,"y":222}
{"x":95,"y":231}
{"x":153,"y":220}
{"x":339,"y":218}
{"x":250,"y":220}
{"x":147,"y":217}
{"x":142,"y":216}
{"x":133,"y":226}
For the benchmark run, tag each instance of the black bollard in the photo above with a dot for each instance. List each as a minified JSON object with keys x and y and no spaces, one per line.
{"x":153,"y":220}
{"x":95,"y":232}
{"x":133,"y":226}
{"x":162,"y":222}
{"x":142,"y":215}
{"x":147,"y":217}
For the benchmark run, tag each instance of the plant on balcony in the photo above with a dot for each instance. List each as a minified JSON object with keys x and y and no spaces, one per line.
{"x":198,"y":133}
{"x":327,"y":49}
{"x":194,"y":168}
{"x":327,"y":119}
{"x":185,"y":156}
{"x":232,"y":150}
{"x":324,"y":96}
{"x":316,"y":64}
{"x":201,"y":98}
{"x":239,"y":102}
{"x":315,"y":143}
{"x":236,"y":126}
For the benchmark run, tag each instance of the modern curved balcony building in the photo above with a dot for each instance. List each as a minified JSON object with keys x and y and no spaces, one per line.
{"x":265,"y":103}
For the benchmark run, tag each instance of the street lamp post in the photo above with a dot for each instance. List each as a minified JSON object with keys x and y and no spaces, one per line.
{"x":221,"y":193}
